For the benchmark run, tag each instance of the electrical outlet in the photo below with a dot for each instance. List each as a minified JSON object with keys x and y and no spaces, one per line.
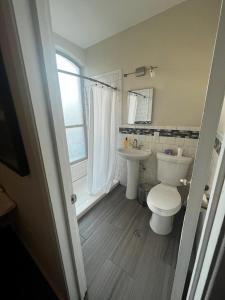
{"x":156,"y":134}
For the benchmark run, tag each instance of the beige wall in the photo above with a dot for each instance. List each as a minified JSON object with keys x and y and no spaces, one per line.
{"x":33,"y":221}
{"x":180,"y":41}
{"x":33,"y":218}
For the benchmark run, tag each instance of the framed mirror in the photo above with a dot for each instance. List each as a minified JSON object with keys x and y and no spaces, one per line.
{"x":140,"y":106}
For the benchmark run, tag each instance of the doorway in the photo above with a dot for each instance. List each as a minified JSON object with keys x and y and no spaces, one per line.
{"x":205,"y":146}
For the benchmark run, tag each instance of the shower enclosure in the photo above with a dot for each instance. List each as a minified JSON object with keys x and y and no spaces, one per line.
{"x":91,"y":117}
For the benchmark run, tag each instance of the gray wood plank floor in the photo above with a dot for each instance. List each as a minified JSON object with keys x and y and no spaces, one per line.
{"x":124,"y":259}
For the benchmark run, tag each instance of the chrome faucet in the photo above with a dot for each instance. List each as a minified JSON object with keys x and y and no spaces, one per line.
{"x":135,"y":144}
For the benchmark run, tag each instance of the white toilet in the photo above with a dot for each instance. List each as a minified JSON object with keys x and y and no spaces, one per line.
{"x":164,"y":199}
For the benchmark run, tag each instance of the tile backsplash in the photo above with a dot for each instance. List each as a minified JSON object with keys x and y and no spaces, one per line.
{"x":157,"y":139}
{"x":166,"y":132}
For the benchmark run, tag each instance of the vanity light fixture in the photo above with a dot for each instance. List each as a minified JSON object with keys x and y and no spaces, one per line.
{"x":141,"y":71}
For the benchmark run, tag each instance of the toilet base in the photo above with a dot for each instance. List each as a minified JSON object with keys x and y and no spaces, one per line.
{"x":161,"y":225}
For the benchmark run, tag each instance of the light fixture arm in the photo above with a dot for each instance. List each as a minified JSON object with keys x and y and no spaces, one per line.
{"x":141,"y":71}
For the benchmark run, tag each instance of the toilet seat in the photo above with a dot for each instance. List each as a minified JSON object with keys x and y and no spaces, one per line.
{"x":164,"y":200}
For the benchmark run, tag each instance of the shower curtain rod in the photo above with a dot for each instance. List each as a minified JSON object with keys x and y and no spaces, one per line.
{"x":137,"y":94}
{"x":88,"y":78}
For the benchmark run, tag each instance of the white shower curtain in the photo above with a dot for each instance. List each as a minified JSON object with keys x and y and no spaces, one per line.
{"x":132,"y":108}
{"x":102,"y":138}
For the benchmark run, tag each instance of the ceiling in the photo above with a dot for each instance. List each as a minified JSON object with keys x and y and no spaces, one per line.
{"x":87,"y":22}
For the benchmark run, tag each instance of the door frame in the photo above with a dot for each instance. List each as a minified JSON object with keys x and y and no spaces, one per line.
{"x":210,"y":121}
{"x":44,"y":35}
{"x":213,"y":105}
{"x":29,"y":33}
{"x":211,"y":220}
{"x":211,"y":231}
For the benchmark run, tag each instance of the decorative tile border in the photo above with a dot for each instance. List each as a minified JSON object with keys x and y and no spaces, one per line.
{"x":162,"y":132}
{"x":188,"y":134}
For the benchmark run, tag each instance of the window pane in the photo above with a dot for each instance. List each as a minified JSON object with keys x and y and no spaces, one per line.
{"x":66,"y":65}
{"x":76,"y":143}
{"x":71,"y":99}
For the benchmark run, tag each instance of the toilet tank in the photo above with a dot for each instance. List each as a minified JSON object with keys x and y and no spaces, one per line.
{"x":172,"y":168}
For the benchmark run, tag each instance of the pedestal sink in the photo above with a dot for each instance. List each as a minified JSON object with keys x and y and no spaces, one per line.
{"x":133,"y":156}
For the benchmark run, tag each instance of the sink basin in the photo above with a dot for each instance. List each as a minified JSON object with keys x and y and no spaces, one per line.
{"x":133,"y":156}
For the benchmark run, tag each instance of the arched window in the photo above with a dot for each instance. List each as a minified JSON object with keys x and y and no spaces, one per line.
{"x":73,"y":108}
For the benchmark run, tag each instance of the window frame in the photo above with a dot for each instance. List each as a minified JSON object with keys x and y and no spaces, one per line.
{"x":84,"y":125}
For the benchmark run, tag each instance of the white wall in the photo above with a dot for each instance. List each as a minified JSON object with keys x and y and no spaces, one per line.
{"x":180,"y":42}
{"x":72,"y":50}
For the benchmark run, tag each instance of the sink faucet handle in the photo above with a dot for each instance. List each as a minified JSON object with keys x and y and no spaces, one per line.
{"x":135,"y":143}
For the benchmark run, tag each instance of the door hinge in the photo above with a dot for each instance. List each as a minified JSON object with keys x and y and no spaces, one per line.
{"x":73,"y":198}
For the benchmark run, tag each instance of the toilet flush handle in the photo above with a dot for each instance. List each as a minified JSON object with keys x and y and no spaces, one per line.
{"x":185,"y":181}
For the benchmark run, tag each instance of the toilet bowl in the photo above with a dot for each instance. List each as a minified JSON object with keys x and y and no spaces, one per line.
{"x":164,"y":199}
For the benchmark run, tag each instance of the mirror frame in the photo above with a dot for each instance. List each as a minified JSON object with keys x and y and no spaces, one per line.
{"x":128,"y":106}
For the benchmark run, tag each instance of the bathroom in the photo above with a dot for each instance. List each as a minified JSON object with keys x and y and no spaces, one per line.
{"x":128,"y":149}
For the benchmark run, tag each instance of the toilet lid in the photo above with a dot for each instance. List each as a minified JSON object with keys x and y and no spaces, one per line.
{"x":164,"y":197}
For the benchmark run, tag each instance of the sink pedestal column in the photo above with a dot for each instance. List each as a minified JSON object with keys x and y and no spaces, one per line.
{"x":132,"y":179}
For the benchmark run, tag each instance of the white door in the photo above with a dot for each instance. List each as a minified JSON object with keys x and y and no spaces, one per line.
{"x":211,"y":116}
{"x":40,"y":9}
{"x":211,"y":232}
